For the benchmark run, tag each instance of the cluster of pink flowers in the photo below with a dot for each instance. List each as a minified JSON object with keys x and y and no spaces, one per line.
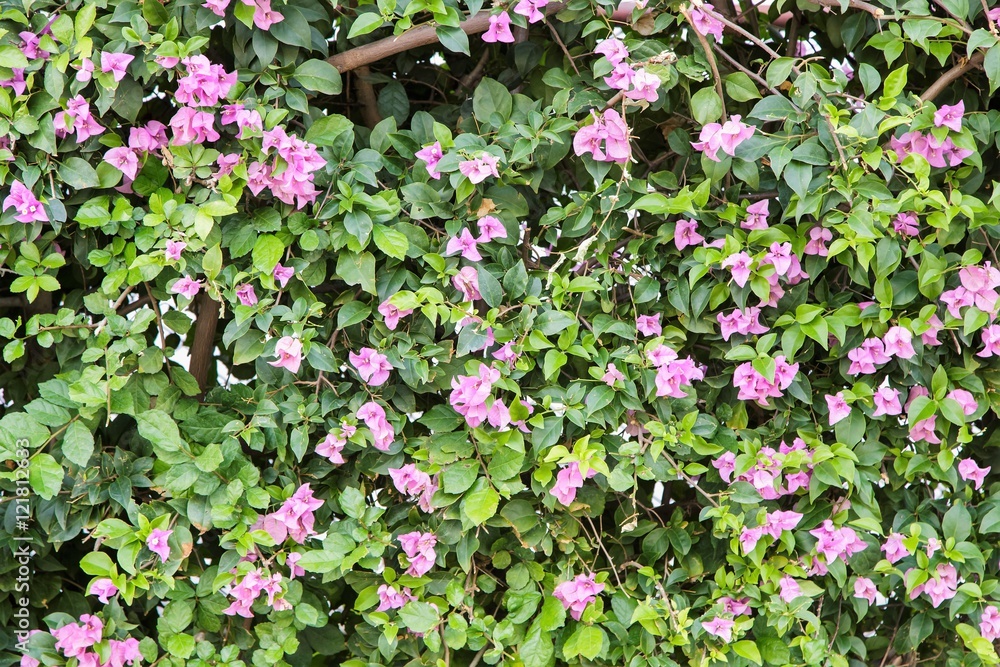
{"x":970,"y":471}
{"x":766,"y":475}
{"x":263,"y":16}
{"x":419,"y":550}
{"x":415,"y":483}
{"x":775,"y":523}
{"x":978,"y":288}
{"x":833,"y":543}
{"x":725,"y":137}
{"x":894,"y":549}
{"x":478,"y":169}
{"x":938,"y":153}
{"x":744,"y":322}
{"x":391,"y":314}
{"x":28,"y":208}
{"x":334,"y":442}
{"x":290,"y":176}
{"x":466,"y":281}
{"x":864,"y":589}
{"x":754,"y":386}
{"x":568,"y":481}
{"x":73,"y":640}
{"x":104,"y":589}
{"x":289,"y":352}
{"x":293,"y":519}
{"x":469,"y":394}
{"x":756,"y":216}
{"x":721,"y":627}
{"x":204,"y":84}
{"x":943,"y":585}
{"x":77,"y":119}
{"x":157,"y":542}
{"x":672,"y":372}
{"x":249,"y":588}
{"x":606,"y":139}
{"x":577,"y":593}
{"x":636,"y":83}
{"x":818,"y":238}
{"x":989,"y":623}
{"x":873,"y":352}
{"x":390,"y":598}
{"x":373,"y":367}
{"x":374,"y":417}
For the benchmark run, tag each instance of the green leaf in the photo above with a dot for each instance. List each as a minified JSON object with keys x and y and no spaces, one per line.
{"x":78,"y":444}
{"x":365,"y":23}
{"x":319,"y":76}
{"x":991,"y":522}
{"x":393,"y":243}
{"x":325,"y":130}
{"x":479,"y":506}
{"x":741,"y":87}
{"x":45,"y":476}
{"x":78,"y":173}
{"x":706,"y":107}
{"x":419,"y":616}
{"x":489,"y":287}
{"x":491,"y":97}
{"x":267,"y":252}
{"x":97,"y":563}
{"x":536,"y":649}
{"x":357,"y":269}
{"x":453,"y":38}
{"x":12,"y":58}
{"x":748,"y":650}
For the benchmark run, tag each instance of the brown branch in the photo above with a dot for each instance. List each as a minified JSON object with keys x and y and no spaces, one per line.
{"x":366,"y":95}
{"x":711,"y":62}
{"x":203,"y":346}
{"x":956,"y":72}
{"x":422,"y":35}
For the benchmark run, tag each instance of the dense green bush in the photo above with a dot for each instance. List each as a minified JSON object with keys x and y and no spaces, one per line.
{"x":433,"y":333}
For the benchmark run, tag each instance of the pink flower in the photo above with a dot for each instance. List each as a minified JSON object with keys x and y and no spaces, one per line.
{"x":157,"y":543}
{"x":835,"y":543}
{"x":289,"y":353}
{"x":894,"y":548}
{"x":720,"y":627}
{"x":789,"y":589}
{"x":674,"y":374}
{"x":753,"y":385}
{"x":490,"y":228}
{"x":779,"y":521}
{"x":292,"y":560}
{"x":499,"y":30}
{"x":839,"y":409}
{"x":965,"y":399}
{"x":969,"y":470}
{"x":887,"y":402}
{"x":864,"y":359}
{"x":739,"y":265}
{"x":735,"y":607}
{"x":217,"y":7}
{"x":123,"y":159}
{"x":577,"y":593}
{"x":929,"y":337}
{"x":391,"y":314}
{"x":726,"y":137}
{"x":950,"y":116}
{"x":373,"y":367}
{"x":864,"y":588}
{"x":294,"y":518}
{"x":86,"y":71}
{"x":104,"y":589}
{"x":246,"y":294}
{"x":479,"y":169}
{"x":989,"y":623}
{"x":568,"y":480}
{"x":466,"y":281}
{"x":606,"y":139}
{"x":529,"y":9}
{"x":818,"y":238}
{"x":374,"y":417}
{"x":116,"y":64}
{"x":29,"y":45}
{"x":123,"y":652}
{"x":205,"y":83}
{"x":73,"y":639}
{"x":686,"y":234}
{"x":186,"y":287}
{"x":419,"y":550}
{"x":649,"y":325}
{"x":333,"y":444}
{"x":924,"y":430}
{"x":174,"y":249}
{"x":906,"y":224}
{"x":644,"y":86}
{"x":898,"y":342}
{"x":431,"y":155}
{"x":464,"y":243}
{"x":744,"y":322}
{"x":756,"y":216}
{"x":612,"y":375}
{"x":282,"y":274}
{"x":390,"y":598}
{"x":706,"y":24}
{"x":991,"y":341}
{"x":613,"y":49}
{"x":148,"y":139}
{"x":226,"y":162}
{"x":780,"y":256}
{"x":915,"y":392}
{"x":192,"y":126}
{"x":245,"y":119}
{"x":726,"y":465}
{"x":749,"y":537}
{"x":264,"y":17}
{"x":28,"y":208}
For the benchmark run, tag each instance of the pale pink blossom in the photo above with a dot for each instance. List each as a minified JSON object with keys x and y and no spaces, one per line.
{"x":289,"y":353}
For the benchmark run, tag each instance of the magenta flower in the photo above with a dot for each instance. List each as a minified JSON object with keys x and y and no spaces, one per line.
{"x":686,"y":234}
{"x":292,"y":560}
{"x":839,"y":409}
{"x":217,"y":7}
{"x":116,"y":64}
{"x":226,"y":162}
{"x":644,"y":86}
{"x":818,"y":238}
{"x":73,"y":639}
{"x":743,"y":322}
{"x":677,"y":373}
{"x":613,"y":49}
{"x":577,"y":593}
{"x":864,"y":588}
{"x":720,"y":627}
{"x":924,"y":430}
{"x":887,"y":402}
{"x":86,"y":71}
{"x":906,"y":224}
{"x":479,"y":169}
{"x":124,"y":159}
{"x":282,"y":274}
{"x":391,"y":314}
{"x":174,"y":249}
{"x":649,"y":325}
{"x":789,"y":589}
{"x":245,"y":119}
{"x":469,"y":394}
{"x":419,"y":549}
{"x":245,"y":293}
{"x":991,"y":341}
{"x":264,"y":17}
{"x":989,"y":623}
{"x":612,"y":375}
{"x":186,"y":287}
{"x":749,"y":537}
{"x":104,"y":589}
{"x":568,"y":481}
{"x":530,"y":9}
{"x":894,"y":548}
{"x":123,"y":652}
{"x":466,"y":281}
{"x":191,"y":126}
{"x":735,"y":607}
{"x":205,"y":83}
{"x":295,"y":517}
{"x":499,"y":30}
{"x":606,"y":139}
{"x":726,"y":137}
{"x":950,"y":116}
{"x":333,"y":444}
{"x":965,"y":399}
{"x":431,"y":155}
{"x":726,"y":465}
{"x":464,"y":243}
{"x":373,"y":367}
{"x":490,"y":228}
{"x":706,"y":24}
{"x":739,"y":265}
{"x":390,"y":598}
{"x":898,"y":342}
{"x":157,"y":543}
{"x":28,"y":208}
{"x":289,"y":353}
{"x":969,"y":470}
{"x":374,"y":417}
{"x":756,"y":216}
{"x":930,"y":337}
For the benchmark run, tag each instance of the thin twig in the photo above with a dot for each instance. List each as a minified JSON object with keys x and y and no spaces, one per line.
{"x":710,"y":55}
